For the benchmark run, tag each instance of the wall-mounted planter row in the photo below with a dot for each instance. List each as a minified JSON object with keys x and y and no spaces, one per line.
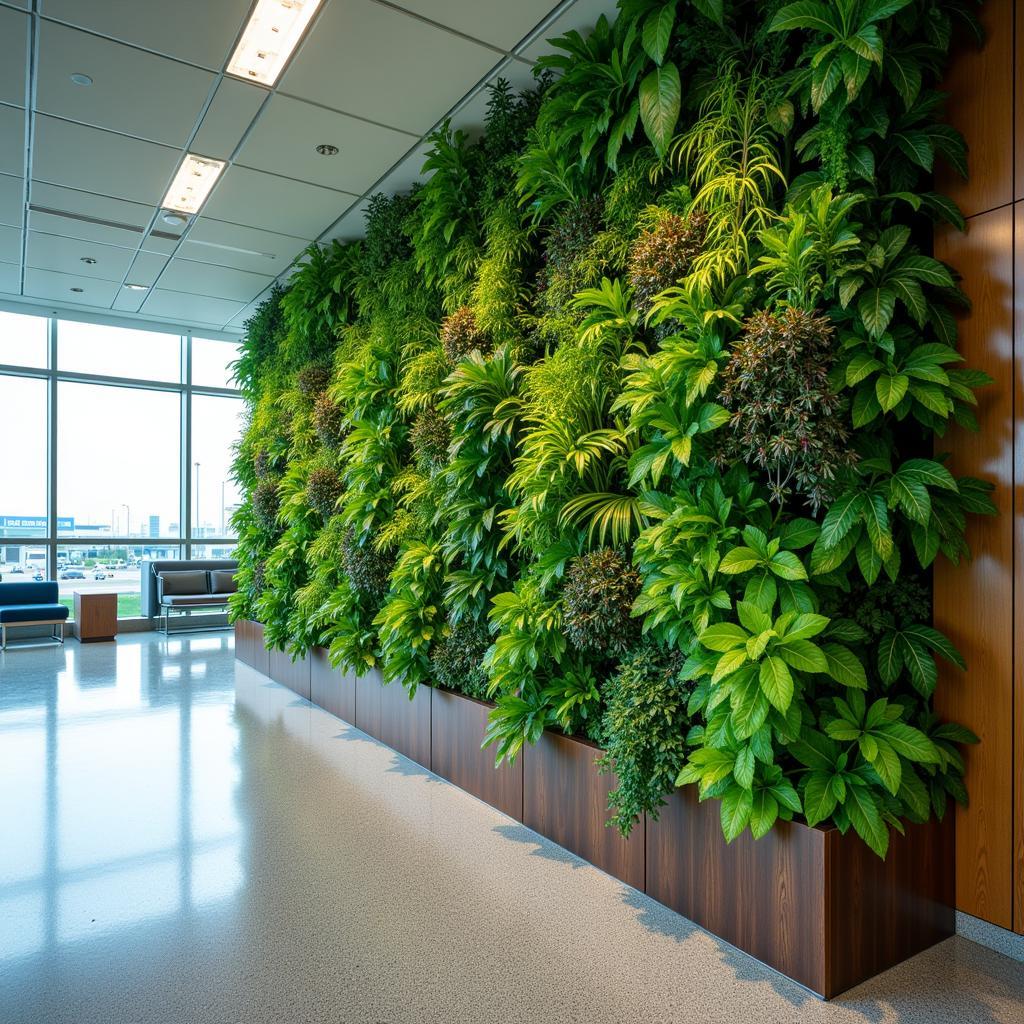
{"x":815,"y":905}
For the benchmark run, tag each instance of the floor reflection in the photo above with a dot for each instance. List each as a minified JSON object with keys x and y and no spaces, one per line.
{"x":118,"y":779}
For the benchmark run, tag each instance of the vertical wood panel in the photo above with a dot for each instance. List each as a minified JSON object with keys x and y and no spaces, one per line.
{"x":565,"y":799}
{"x":980,"y":85}
{"x":457,"y":726}
{"x":330,"y":688}
{"x":1018,"y":108}
{"x":974,"y":601}
{"x":387,"y":714}
{"x":1018,"y":554}
{"x":293,"y":674}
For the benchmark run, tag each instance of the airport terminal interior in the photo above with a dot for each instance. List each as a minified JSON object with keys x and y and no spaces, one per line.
{"x":509,"y":511}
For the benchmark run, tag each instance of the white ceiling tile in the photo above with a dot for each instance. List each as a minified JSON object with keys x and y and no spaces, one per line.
{"x":47,"y":284}
{"x":378,"y":63}
{"x":10,"y":278}
{"x":54,"y":252}
{"x":582,"y":16}
{"x":145,"y":269}
{"x":12,"y":140}
{"x":128,"y":301}
{"x":238,"y":320}
{"x":497,"y":22}
{"x":217,"y":282}
{"x":199,"y":31}
{"x":259,"y":200}
{"x":13,"y":52}
{"x":187,"y":308}
{"x":285,"y":138}
{"x":229,"y":245}
{"x":232,"y":110}
{"x":10,"y":245}
{"x":88,"y":204}
{"x":161,"y":241}
{"x":52,"y":224}
{"x":12,"y":200}
{"x":98,"y":161}
{"x":133,"y":92}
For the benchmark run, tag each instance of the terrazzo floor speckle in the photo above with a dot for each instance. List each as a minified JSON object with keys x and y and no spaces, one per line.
{"x":185,"y":842}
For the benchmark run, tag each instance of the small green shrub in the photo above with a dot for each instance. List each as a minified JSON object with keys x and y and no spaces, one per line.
{"x":457,"y":659}
{"x":784,"y":414}
{"x":662,"y":256}
{"x":323,"y":489}
{"x":460,"y":335}
{"x":645,"y":727}
{"x":600,"y":589}
{"x":430,"y":436}
{"x":266,"y":504}
{"x":366,"y":568}
{"x":312,"y":380}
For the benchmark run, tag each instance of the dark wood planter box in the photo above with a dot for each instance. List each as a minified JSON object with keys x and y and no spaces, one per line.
{"x":249,"y":645}
{"x":386,"y":713}
{"x":293,"y":674}
{"x":330,"y":688}
{"x":816,"y":905}
{"x":457,"y":726}
{"x":565,"y":799}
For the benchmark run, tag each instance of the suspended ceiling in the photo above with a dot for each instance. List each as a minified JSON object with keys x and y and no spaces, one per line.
{"x":83,"y":169}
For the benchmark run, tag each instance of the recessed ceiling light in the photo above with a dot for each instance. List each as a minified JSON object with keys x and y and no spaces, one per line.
{"x":192,"y":184}
{"x":78,"y":289}
{"x":272,"y":33}
{"x":88,"y":260}
{"x":326,"y":149}
{"x":79,"y":79}
{"x":176,"y":220}
{"x":137,"y":287}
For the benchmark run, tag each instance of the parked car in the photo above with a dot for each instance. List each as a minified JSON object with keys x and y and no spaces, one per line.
{"x":39,"y":576}
{"x":99,"y":574}
{"x":72,"y":574}
{"x":17,"y":571}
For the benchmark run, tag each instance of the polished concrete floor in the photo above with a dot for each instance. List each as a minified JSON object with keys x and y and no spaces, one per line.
{"x":182,"y":840}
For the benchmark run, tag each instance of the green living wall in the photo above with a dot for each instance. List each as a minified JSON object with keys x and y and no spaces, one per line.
{"x":626,"y":417}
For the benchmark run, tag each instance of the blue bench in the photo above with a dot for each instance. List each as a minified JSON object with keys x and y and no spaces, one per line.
{"x":31,"y":604}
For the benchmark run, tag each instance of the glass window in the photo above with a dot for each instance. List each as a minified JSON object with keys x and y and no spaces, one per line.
{"x":23,"y":339}
{"x":212,"y":362}
{"x":118,"y":351}
{"x":23,"y":463}
{"x":216,"y":426}
{"x":106,"y":568}
{"x":118,"y":469}
{"x":226,"y":549}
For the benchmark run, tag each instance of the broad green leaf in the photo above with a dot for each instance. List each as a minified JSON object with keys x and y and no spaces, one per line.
{"x":657,"y":32}
{"x":787,"y":566}
{"x":743,"y":769}
{"x":876,"y":307}
{"x":740,"y":560}
{"x":864,"y":816}
{"x":776,"y":682}
{"x":799,"y":533}
{"x":819,"y":801}
{"x":763,"y":813}
{"x":890,"y":390}
{"x":890,"y":658}
{"x":736,"y":807}
{"x":723,"y":636}
{"x":807,"y":14}
{"x":844,"y":666}
{"x":912,"y":496}
{"x":860,"y":366}
{"x":762,"y":591}
{"x":660,"y":97}
{"x":909,"y":742}
{"x":841,"y":516}
{"x":936,"y":641}
{"x":920,"y":664}
{"x":805,"y":626}
{"x":728,"y":663}
{"x":886,"y":762}
{"x":802,"y":655}
{"x":752,"y":617}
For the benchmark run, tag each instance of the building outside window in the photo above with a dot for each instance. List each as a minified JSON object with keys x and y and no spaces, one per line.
{"x":124,"y":454}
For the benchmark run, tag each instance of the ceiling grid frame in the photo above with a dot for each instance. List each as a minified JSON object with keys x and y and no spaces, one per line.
{"x":182,"y":250}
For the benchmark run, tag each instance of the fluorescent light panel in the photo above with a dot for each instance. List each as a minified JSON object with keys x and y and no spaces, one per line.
{"x":192,"y":184}
{"x":273,"y":32}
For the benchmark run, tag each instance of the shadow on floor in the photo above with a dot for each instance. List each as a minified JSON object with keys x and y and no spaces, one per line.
{"x":541,"y":847}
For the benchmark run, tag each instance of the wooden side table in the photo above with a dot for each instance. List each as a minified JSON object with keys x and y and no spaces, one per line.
{"x":95,"y":617}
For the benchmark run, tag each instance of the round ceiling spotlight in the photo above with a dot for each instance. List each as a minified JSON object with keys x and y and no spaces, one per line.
{"x":326,"y":149}
{"x":78,"y":290}
{"x":79,"y":79}
{"x":88,"y":261}
{"x":176,"y":220}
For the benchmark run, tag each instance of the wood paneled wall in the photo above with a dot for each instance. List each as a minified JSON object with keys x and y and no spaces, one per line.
{"x":975,"y":602}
